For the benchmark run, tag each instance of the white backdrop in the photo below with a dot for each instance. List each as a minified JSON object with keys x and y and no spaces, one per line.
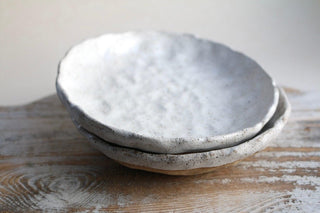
{"x":282,"y":35}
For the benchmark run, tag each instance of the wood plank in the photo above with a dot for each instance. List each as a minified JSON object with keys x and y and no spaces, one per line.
{"x":45,"y":164}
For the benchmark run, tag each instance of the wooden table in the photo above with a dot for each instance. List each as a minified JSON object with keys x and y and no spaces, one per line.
{"x":45,"y":164}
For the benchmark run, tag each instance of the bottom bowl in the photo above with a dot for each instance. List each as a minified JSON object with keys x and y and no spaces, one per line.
{"x":195,"y":163}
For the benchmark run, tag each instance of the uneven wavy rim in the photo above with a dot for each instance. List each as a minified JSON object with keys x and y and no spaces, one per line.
{"x":209,"y":159}
{"x":162,"y":144}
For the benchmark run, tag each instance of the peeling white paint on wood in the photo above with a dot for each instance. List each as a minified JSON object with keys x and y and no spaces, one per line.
{"x":45,"y":164}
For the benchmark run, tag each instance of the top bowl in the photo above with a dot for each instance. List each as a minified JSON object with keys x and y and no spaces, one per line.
{"x":165,"y":93}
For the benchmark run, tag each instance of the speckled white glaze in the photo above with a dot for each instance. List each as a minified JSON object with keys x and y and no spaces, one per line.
{"x":207,"y":159}
{"x":165,"y":93}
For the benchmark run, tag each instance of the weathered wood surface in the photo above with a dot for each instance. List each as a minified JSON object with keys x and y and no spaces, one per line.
{"x":45,"y":164}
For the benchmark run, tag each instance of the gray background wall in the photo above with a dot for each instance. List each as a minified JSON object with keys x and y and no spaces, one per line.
{"x":282,"y":35}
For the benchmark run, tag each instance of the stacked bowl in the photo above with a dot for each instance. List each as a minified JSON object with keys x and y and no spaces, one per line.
{"x":170,"y":103}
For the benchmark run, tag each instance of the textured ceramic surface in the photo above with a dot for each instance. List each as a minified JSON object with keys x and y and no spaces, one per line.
{"x":173,"y":163}
{"x":165,"y":93}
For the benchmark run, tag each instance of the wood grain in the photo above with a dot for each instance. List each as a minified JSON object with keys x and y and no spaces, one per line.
{"x":45,"y":164}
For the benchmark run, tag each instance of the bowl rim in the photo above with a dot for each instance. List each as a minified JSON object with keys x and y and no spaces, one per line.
{"x":156,"y":144}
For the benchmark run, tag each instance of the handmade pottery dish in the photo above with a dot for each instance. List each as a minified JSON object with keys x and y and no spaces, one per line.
{"x":195,"y":163}
{"x":165,"y":93}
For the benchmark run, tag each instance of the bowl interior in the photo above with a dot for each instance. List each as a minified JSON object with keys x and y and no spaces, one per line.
{"x":162,"y":85}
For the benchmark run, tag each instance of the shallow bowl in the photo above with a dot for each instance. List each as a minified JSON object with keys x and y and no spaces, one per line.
{"x":165,"y":93}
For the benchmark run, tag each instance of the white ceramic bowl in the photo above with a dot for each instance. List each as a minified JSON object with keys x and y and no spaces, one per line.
{"x":165,"y":93}
{"x":195,"y":163}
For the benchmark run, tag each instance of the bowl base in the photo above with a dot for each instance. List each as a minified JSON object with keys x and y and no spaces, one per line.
{"x":186,"y":172}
